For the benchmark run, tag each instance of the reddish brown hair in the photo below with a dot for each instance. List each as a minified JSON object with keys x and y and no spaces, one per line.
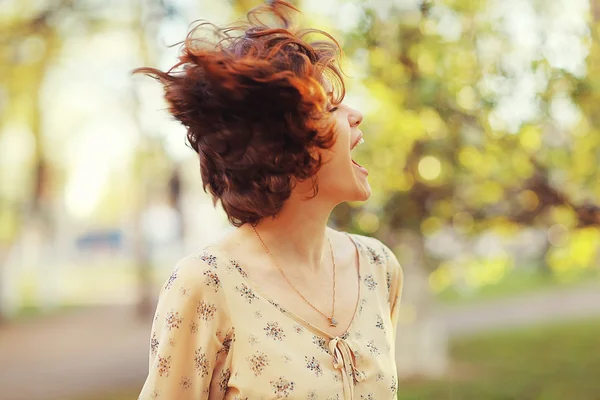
{"x":254,"y":108}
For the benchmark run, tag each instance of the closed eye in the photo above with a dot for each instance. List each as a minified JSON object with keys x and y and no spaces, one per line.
{"x":333,"y":109}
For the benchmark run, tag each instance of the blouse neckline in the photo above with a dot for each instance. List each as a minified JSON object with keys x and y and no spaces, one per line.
{"x":244,"y":276}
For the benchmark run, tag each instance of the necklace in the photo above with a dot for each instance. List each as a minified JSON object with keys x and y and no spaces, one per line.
{"x":332,"y":321}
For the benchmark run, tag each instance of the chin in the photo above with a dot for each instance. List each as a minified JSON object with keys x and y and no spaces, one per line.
{"x":365,"y":193}
{"x":358,"y":193}
{"x":363,"y":188}
{"x":362,"y":192}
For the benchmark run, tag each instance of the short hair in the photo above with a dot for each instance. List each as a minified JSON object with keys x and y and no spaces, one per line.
{"x":254,"y":105}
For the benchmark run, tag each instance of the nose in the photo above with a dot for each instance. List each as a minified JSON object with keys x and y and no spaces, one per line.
{"x":355,"y":117}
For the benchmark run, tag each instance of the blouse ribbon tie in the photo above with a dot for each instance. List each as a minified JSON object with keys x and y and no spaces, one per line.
{"x":344,"y":360}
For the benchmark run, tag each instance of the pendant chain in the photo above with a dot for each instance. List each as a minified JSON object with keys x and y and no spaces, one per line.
{"x":331,"y":319}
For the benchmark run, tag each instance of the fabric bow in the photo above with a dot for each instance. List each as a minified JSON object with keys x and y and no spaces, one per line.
{"x":345,"y":360}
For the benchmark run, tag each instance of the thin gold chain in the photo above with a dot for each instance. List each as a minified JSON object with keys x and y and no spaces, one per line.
{"x":331,"y":318}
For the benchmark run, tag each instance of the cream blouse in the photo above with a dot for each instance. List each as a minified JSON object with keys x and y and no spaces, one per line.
{"x":216,"y":336}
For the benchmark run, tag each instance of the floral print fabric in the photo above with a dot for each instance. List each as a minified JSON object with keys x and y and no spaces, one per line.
{"x":216,"y":336}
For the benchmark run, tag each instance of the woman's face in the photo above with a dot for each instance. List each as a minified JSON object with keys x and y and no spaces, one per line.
{"x":340,"y":178}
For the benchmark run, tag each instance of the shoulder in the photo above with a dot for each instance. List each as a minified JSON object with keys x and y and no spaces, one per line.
{"x":382,"y":258}
{"x":191,"y":298}
{"x":195,"y":290}
{"x":374,"y":249}
{"x":379,"y":254}
{"x":195,"y":274}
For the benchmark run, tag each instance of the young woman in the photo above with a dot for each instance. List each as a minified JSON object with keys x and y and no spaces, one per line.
{"x":282,"y":307}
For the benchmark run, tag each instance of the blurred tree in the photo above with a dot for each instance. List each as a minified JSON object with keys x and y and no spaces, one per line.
{"x":145,"y":29}
{"x":29,"y":43}
{"x":441,"y":154}
{"x":154,"y":173}
{"x":32,"y":36}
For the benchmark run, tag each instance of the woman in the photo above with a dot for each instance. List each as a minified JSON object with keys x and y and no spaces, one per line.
{"x":283,"y":307}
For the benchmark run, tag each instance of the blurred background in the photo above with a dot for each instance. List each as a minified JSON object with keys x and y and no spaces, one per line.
{"x":483,"y":144}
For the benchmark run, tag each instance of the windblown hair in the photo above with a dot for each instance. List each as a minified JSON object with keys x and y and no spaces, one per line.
{"x":254,"y":105}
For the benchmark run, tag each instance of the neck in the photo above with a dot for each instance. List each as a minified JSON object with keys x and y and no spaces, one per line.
{"x":298,"y":233}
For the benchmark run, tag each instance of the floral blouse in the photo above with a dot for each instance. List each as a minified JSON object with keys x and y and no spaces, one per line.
{"x":216,"y":336}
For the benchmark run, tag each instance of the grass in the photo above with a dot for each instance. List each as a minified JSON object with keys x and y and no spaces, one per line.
{"x":516,"y":282}
{"x":541,"y":363}
{"x":32,"y":312}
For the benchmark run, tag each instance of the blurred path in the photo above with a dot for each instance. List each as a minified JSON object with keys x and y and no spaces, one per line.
{"x":533,"y":308}
{"x":105,"y":348}
{"x":78,"y":353}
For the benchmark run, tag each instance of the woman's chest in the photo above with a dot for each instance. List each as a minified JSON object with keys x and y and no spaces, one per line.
{"x":277,"y":355}
{"x":328,"y":301}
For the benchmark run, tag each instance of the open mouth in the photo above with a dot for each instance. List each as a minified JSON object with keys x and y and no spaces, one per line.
{"x":360,"y":140}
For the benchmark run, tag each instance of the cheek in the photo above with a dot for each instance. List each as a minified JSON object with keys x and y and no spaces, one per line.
{"x":338,"y":156}
{"x":334,"y":154}
{"x":333,"y":163}
{"x":341,"y":148}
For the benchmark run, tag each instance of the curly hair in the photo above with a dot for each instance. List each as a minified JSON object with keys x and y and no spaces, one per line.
{"x":254,"y":105}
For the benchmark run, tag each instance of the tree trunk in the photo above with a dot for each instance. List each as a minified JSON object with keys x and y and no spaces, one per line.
{"x":421,"y":343}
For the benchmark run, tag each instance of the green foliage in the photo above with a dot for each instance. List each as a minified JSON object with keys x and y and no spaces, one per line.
{"x":435,"y":134}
